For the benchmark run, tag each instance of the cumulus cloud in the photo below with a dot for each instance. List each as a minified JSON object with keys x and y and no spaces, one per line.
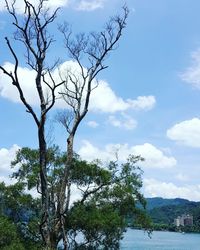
{"x":155,"y":188}
{"x":154,"y":158}
{"x":19,"y":5}
{"x":186,"y":132}
{"x":92,"y":124}
{"x":26,"y":78}
{"x":90,"y":5}
{"x":125,"y":122}
{"x":6,"y":156}
{"x":103,"y":98}
{"x":192,"y":74}
{"x":90,"y":152}
{"x":142,"y":103}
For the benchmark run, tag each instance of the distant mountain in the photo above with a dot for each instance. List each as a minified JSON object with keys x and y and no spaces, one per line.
{"x":166,"y":210}
{"x":160,"y":202}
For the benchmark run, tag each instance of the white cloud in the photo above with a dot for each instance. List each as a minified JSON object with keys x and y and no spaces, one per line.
{"x":20,"y":4}
{"x":90,"y":5}
{"x":186,"y":132}
{"x":80,"y":5}
{"x":26,"y":78}
{"x":92,"y":124}
{"x":155,"y":188}
{"x":154,"y":158}
{"x":192,"y":74}
{"x":142,"y":103}
{"x":114,"y":121}
{"x":125,"y":122}
{"x":6,"y":156}
{"x":103,"y":98}
{"x":182,"y":177}
{"x":90,"y":152}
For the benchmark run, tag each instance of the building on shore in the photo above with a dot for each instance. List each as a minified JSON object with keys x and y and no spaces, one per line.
{"x":184,"y":220}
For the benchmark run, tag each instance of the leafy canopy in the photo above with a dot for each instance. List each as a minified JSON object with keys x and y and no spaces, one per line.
{"x":107,"y":197}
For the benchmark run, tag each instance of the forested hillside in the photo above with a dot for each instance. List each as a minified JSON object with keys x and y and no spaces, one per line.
{"x":164,"y":211}
{"x":160,"y":202}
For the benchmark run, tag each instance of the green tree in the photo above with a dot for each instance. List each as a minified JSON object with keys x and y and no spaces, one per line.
{"x":107,"y":196}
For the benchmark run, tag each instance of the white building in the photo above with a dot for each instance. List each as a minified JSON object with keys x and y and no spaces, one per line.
{"x":184,"y":220}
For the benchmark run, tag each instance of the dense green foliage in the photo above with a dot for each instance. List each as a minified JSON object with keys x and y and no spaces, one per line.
{"x":9,"y":237}
{"x":107,"y":196}
{"x":19,"y":212}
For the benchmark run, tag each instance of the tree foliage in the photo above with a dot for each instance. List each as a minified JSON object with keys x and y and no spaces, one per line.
{"x":20,"y":213}
{"x":106,"y":195}
{"x":9,"y":238}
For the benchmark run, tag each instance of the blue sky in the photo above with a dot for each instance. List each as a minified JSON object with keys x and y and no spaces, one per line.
{"x":147,"y":102}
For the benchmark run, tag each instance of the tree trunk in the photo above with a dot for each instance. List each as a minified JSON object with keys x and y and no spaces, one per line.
{"x":44,"y":226}
{"x":65,"y":190}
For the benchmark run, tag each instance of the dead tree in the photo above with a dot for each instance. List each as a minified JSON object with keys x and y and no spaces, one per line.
{"x":32,"y":32}
{"x":79,"y":85}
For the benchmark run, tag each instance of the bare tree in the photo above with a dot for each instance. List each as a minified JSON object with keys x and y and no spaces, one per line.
{"x":32,"y":32}
{"x":89,"y":54}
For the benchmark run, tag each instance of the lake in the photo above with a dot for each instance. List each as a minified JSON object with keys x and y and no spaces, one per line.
{"x":139,"y":240}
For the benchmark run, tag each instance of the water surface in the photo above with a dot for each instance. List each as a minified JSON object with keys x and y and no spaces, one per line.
{"x":139,"y":240}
